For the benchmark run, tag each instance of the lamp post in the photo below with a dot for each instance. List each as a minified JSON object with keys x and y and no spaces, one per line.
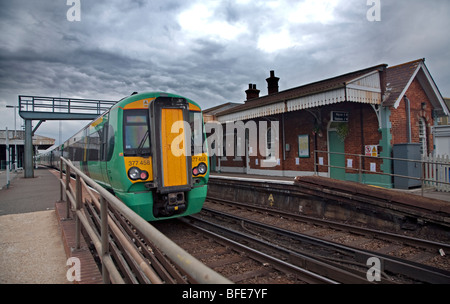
{"x":7,"y":159}
{"x":15,"y":138}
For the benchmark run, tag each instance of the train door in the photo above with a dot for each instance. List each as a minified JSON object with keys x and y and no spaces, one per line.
{"x":172,"y":166}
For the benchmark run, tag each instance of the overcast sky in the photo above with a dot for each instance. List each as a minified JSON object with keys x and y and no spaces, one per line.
{"x":208,"y":51}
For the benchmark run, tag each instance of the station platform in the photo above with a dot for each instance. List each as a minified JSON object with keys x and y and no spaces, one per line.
{"x":35,"y":239}
{"x":428,"y":192}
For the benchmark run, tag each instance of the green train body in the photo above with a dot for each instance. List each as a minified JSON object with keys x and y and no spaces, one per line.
{"x":148,"y":150}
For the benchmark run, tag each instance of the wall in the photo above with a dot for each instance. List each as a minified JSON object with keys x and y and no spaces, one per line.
{"x":417,"y":96}
{"x":363,"y":130}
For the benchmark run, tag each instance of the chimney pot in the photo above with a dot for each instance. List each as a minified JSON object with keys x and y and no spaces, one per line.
{"x":272,"y":83}
{"x":252,"y":92}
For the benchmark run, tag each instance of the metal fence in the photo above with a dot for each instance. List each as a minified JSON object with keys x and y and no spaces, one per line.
{"x":430,"y":169}
{"x":190,"y":265}
{"x":437,"y":172}
{"x":63,"y":105}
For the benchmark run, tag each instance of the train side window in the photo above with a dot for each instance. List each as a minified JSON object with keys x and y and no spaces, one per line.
{"x":136,"y":133}
{"x":110,"y":143}
{"x":103,"y":132}
{"x":94,"y":146}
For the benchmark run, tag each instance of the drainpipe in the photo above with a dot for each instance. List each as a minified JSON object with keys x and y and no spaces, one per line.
{"x":408,"y":119}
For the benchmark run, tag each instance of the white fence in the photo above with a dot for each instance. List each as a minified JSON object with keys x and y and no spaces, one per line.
{"x":437,"y":172}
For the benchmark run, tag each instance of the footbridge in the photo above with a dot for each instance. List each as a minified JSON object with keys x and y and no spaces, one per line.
{"x":54,"y":108}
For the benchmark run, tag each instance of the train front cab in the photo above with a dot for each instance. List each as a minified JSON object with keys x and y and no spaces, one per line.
{"x":175,"y":182}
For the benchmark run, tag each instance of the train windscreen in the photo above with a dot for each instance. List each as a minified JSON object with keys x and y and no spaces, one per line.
{"x":136,"y":133}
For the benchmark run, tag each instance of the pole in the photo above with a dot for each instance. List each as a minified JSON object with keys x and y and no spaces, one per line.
{"x":15,"y":141}
{"x":28,"y":150}
{"x":16,"y":154}
{"x":104,"y":236}
{"x":7,"y":158}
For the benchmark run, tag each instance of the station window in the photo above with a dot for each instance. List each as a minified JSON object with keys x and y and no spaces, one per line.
{"x":423,"y":136}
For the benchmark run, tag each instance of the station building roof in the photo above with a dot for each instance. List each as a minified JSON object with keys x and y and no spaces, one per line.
{"x":41,"y":142}
{"x":376,"y":85}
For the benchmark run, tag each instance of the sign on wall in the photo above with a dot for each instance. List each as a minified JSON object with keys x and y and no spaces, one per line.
{"x":371,"y":150}
{"x":303,"y":145}
{"x":337,"y":116}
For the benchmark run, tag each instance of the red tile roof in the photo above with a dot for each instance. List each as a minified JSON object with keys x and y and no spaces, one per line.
{"x":308,"y":89}
{"x":397,"y":78}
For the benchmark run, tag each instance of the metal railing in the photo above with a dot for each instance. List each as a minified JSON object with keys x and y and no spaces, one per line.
{"x":423,"y":178}
{"x":63,"y":105}
{"x":190,"y":265}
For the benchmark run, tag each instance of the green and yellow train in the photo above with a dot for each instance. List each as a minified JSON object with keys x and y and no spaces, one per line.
{"x":147,"y":150}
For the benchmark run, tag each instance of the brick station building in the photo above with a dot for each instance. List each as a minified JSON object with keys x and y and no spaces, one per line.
{"x":349,"y":118}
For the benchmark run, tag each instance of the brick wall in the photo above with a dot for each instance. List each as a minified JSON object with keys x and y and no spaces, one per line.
{"x":363,"y":130}
{"x":417,"y":96}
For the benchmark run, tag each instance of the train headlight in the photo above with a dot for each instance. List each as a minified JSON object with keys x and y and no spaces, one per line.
{"x":134,"y":173}
{"x":202,"y":168}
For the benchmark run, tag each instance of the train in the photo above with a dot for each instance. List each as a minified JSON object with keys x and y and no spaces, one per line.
{"x":148,"y":150}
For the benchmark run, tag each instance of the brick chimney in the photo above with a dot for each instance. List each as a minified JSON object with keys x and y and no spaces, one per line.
{"x":252,"y":92}
{"x":272,"y":83}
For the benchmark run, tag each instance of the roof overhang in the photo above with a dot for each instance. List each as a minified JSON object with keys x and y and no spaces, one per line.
{"x":363,"y":89}
{"x":429,"y":86}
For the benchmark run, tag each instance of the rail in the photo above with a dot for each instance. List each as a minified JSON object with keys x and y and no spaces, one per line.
{"x":110,"y":273}
{"x":425,"y":178}
{"x":63,"y":105}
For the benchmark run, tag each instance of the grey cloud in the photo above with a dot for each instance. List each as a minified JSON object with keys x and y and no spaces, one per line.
{"x":123,"y":46}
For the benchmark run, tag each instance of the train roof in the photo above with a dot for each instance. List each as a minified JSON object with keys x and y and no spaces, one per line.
{"x":138,"y":96}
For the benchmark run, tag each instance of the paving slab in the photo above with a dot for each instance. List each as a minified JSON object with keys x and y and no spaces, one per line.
{"x":31,"y":250}
{"x":31,"y":247}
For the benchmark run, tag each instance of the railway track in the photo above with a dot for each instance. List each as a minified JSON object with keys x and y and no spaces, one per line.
{"x":234,"y":260}
{"x":247,"y":251}
{"x":316,"y":224}
{"x":237,"y":262}
{"x":220,"y":248}
{"x":344,"y":246}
